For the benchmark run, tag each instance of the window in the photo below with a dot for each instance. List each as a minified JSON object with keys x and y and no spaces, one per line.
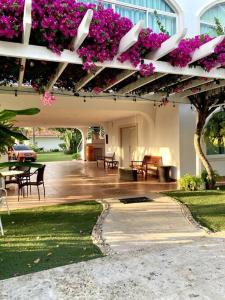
{"x":137,"y":10}
{"x":21,"y":147}
{"x":207,"y":21}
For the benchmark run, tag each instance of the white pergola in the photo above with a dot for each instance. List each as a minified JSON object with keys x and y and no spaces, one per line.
{"x":192,"y":76}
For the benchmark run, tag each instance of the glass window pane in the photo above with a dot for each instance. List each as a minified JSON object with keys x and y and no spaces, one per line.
{"x":169,"y":23}
{"x":154,"y":4}
{"x":133,"y":14}
{"x":207,"y":29}
{"x":217,"y":11}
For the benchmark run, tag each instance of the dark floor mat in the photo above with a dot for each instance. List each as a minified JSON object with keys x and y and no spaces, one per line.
{"x":135,"y":200}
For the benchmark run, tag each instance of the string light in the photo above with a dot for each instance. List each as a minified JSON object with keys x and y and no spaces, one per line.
{"x":79,"y":95}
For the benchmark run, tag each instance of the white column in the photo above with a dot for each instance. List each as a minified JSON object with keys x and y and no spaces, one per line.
{"x":84,"y":131}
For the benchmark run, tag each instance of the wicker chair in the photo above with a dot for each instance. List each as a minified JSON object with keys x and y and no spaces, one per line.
{"x":39,"y":181}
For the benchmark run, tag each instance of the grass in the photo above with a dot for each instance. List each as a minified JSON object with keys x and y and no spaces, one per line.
{"x":207,"y":207}
{"x":53,"y":156}
{"x":47,"y":237}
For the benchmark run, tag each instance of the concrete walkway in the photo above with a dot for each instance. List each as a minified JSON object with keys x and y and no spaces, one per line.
{"x":137,"y":226}
{"x":178,"y":261}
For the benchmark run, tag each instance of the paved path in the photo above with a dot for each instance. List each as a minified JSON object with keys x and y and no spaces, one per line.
{"x":136,"y":226}
{"x":178,"y":261}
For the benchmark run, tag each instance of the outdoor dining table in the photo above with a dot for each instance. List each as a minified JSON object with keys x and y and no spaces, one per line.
{"x":4,"y":174}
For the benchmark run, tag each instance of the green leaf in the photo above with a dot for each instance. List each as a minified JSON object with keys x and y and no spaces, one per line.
{"x":29,"y":111}
{"x":6,"y":115}
{"x":6,"y":131}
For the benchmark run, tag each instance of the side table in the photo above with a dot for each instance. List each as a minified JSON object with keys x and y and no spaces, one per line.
{"x":164,"y":173}
{"x":127,"y":174}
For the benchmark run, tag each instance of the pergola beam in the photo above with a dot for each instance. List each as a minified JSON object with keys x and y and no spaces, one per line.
{"x":82,"y":33}
{"x":27,"y":21}
{"x":84,"y":81}
{"x":167,"y":46}
{"x":140,"y":82}
{"x":127,"y":41}
{"x":130,"y":38}
{"x":203,"y":88}
{"x":119,"y":78}
{"x":196,"y":82}
{"x":206,"y":49}
{"x":17,"y":50}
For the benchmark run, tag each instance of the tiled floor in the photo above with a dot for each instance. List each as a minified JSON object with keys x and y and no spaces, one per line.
{"x":77,"y":181}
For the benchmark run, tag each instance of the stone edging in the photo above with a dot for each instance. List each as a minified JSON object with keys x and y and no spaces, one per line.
{"x":187,"y":214}
{"x":96,"y":235}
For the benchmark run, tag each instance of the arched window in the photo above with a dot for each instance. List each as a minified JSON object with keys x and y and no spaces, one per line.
{"x":137,"y":10}
{"x":207,"y":20}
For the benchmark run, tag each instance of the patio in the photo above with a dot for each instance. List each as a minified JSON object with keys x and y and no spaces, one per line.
{"x":77,"y":181}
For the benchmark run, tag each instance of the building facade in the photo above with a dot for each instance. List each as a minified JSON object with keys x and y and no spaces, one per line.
{"x":136,"y":128}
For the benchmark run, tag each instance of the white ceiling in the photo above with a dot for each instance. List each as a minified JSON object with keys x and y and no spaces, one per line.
{"x":71,"y":111}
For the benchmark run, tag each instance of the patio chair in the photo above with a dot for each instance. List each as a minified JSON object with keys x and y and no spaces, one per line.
{"x":39,"y":173}
{"x":108,"y":160}
{"x":149,"y":165}
{"x":3,"y":200}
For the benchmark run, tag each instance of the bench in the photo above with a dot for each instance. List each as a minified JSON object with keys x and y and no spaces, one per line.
{"x":149,"y":165}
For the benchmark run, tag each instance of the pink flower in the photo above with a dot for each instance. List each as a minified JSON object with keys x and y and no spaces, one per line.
{"x":48,"y":99}
{"x":146,"y":70}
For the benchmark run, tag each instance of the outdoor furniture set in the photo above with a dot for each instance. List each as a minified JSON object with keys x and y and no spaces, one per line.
{"x":23,"y":178}
{"x":150,"y":165}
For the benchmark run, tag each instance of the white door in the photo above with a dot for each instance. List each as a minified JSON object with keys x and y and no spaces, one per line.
{"x":128,"y":145}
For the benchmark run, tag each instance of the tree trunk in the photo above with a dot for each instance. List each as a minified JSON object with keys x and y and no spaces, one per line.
{"x":198,"y":149}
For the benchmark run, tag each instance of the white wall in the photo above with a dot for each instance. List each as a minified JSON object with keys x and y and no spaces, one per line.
{"x":48,"y":143}
{"x":165,"y":140}
{"x":192,"y":9}
{"x":187,"y":121}
{"x":158,"y":134}
{"x":218,"y":163}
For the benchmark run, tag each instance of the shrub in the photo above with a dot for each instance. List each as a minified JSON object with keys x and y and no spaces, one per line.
{"x":190,"y":183}
{"x":68,"y":152}
{"x":76,"y":156}
{"x":54,"y":150}
{"x":62,"y":146}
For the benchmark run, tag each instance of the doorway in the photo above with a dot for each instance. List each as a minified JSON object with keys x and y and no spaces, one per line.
{"x":129,"y":142}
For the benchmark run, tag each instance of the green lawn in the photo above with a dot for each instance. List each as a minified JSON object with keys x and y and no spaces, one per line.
{"x":53,"y":156}
{"x":47,"y":237}
{"x":207,"y":207}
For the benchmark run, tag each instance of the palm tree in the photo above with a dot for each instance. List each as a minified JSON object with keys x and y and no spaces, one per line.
{"x":8,"y":132}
